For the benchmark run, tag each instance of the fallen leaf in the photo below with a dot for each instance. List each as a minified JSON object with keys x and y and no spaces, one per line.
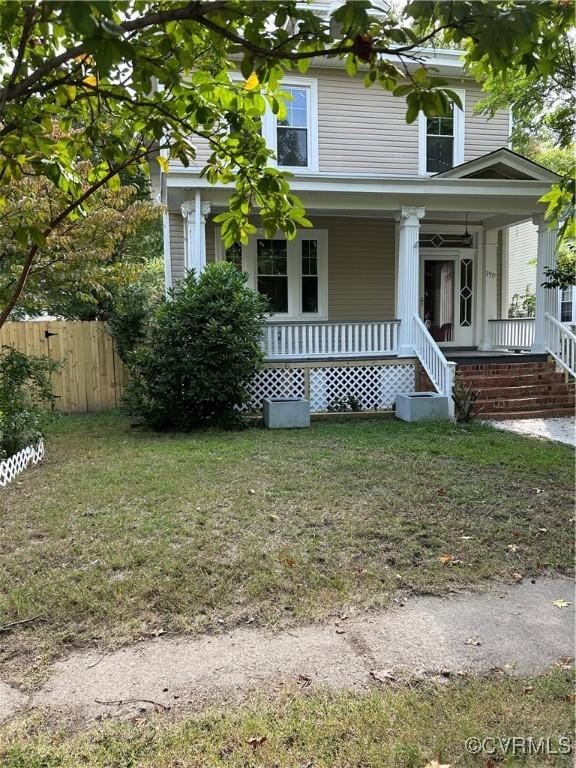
{"x":490,"y":763}
{"x":529,"y":689}
{"x":561,"y":603}
{"x":446,"y":559}
{"x":383,"y":676}
{"x":288,"y":561}
{"x":472,"y":641}
{"x":436,"y":764}
{"x":257,"y":741}
{"x":517,"y":577}
{"x":570,"y":698}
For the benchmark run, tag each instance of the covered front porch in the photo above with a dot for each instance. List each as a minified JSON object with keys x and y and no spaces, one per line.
{"x":393,"y":272}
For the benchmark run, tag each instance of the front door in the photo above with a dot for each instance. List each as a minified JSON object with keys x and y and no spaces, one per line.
{"x":447,"y":297}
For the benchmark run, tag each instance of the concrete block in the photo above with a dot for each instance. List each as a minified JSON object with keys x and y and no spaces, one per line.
{"x":422,"y":406}
{"x":286,"y":413}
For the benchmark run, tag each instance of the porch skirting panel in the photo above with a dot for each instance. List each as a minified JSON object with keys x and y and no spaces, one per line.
{"x":369,"y":385}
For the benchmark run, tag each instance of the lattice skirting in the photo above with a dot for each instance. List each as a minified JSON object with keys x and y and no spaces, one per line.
{"x":373,"y":386}
{"x":18,"y":462}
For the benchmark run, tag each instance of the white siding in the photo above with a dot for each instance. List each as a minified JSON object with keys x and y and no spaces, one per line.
{"x":177,"y":245}
{"x":522,"y":250}
{"x":363,"y":130}
{"x":483,"y":135}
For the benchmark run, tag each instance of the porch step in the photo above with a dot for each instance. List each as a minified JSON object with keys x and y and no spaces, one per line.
{"x":516,"y":390}
{"x":547,"y":413}
{"x":493,"y":391}
{"x":527,"y":403}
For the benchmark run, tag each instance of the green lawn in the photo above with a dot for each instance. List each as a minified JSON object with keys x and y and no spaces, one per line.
{"x":123,"y":533}
{"x":380,"y":729}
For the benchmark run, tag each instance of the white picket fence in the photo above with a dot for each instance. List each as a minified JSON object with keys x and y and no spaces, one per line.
{"x":14,"y":465}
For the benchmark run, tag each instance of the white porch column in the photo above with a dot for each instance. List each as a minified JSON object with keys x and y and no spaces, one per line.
{"x":195,"y":212}
{"x":487,"y":287}
{"x":546,"y":298}
{"x":408,"y":278}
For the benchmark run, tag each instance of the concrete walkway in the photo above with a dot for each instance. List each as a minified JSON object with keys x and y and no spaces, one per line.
{"x":517,"y":628}
{"x":562,"y":430}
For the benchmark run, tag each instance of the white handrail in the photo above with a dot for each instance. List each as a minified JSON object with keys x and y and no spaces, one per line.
{"x":439,"y":370}
{"x":560,"y":343}
{"x":512,"y":333}
{"x":328,"y":339}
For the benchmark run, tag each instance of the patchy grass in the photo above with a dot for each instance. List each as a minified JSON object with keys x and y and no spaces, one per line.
{"x":379,"y":729}
{"x":124,"y":533}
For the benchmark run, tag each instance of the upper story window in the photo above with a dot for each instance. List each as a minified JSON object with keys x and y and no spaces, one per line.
{"x":441,"y":141}
{"x":294,"y":138}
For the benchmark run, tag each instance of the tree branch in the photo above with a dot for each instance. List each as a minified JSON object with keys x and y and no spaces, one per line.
{"x":27,"y":266}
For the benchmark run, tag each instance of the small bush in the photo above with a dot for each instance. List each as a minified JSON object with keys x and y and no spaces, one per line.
{"x":25,"y":398}
{"x":202,"y":351}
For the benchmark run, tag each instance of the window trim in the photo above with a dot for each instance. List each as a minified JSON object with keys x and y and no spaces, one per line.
{"x":269,"y":125}
{"x":294,"y":271}
{"x":571,"y":302}
{"x":459,"y":127}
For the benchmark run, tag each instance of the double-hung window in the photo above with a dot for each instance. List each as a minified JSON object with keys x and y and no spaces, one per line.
{"x":441,"y":141}
{"x":294,"y":137}
{"x":567,"y":305}
{"x":292,"y":274}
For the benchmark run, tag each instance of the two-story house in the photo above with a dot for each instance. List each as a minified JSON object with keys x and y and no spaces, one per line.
{"x":402,"y":271}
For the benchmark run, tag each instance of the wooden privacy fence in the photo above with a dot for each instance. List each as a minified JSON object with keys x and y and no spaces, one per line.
{"x":91,"y":376}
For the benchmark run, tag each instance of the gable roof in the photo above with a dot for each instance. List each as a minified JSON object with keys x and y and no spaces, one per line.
{"x":503,"y":163}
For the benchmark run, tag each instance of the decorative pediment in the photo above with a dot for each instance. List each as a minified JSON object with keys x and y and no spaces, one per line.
{"x":501,"y":164}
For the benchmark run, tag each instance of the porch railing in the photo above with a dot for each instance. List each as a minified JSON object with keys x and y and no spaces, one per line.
{"x":513,"y":333}
{"x":327,"y":339}
{"x":560,"y":343}
{"x":440,"y":371}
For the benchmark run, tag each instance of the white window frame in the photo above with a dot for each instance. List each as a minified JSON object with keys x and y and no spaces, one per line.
{"x":269,"y":126}
{"x":571,"y":301}
{"x":459,"y":128}
{"x":294,"y":271}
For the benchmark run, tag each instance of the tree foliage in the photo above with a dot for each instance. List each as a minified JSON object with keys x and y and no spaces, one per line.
{"x":202,"y":352}
{"x":86,"y":258}
{"x":543,"y":103}
{"x":137,"y":75}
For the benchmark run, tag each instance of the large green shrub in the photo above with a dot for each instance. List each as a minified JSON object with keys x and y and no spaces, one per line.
{"x":25,"y":398}
{"x":202,"y":351}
